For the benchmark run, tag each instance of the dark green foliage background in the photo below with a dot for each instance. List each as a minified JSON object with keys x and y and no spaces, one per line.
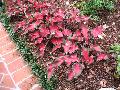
{"x":116,"y":49}
{"x":91,"y":7}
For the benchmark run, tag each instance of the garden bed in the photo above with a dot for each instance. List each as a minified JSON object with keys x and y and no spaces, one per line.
{"x":94,"y":76}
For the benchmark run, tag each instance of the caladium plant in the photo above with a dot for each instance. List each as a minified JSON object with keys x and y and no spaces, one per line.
{"x":64,"y":28}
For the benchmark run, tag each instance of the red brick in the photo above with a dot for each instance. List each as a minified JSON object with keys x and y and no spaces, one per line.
{"x":28,"y":83}
{"x":11,"y":56}
{"x":7,"y":82}
{"x":2,"y":31}
{"x":21,"y":74}
{"x":7,"y":49}
{"x":3,"y":68}
{"x":37,"y":88}
{"x":17,"y":64}
{"x":1,"y":75}
{"x":3,"y":88}
{"x":4,"y":41}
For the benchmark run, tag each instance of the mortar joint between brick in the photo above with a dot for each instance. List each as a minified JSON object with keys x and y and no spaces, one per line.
{"x":20,"y":82}
{"x":19,"y":69}
{"x":1,"y":78}
{"x":15,"y":60}
{"x":8,"y":88}
{"x":10,"y":74}
{"x":13,"y":50}
{"x":6,"y":44}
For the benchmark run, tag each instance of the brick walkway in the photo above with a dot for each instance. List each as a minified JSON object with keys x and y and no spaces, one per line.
{"x":14,"y":72}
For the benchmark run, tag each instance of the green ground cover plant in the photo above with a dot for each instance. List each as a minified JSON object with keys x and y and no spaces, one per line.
{"x":2,"y":6}
{"x":92,"y":7}
{"x":116,"y":49}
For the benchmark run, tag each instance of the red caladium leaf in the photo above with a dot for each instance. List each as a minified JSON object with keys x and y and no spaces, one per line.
{"x":18,"y":2}
{"x":42,"y":48}
{"x":102,"y":57}
{"x":78,"y":19}
{"x":74,"y":13}
{"x":85,"y":32}
{"x":57,"y":19}
{"x":59,"y":60}
{"x":53,"y":29}
{"x":48,"y":18}
{"x":97,"y":48}
{"x":30,"y":19}
{"x":85,"y":54}
{"x":58,"y":34}
{"x":23,"y":8}
{"x":31,"y":1}
{"x":31,"y":27}
{"x":44,"y":12}
{"x":36,"y":5}
{"x":77,"y":36}
{"x":60,"y":13}
{"x":78,"y":33}
{"x":97,"y":31}
{"x":27,"y":16}
{"x":44,"y":32}
{"x":67,"y":60}
{"x":48,"y":5}
{"x":69,"y":47}
{"x":66,"y":48}
{"x":51,"y":67}
{"x":57,"y":41}
{"x":68,"y":43}
{"x":35,"y":35}
{"x":21,"y":24}
{"x":70,"y":59}
{"x":70,"y":75}
{"x":38,"y":15}
{"x":90,"y":60}
{"x":38,"y":41}
{"x":56,"y":47}
{"x":74,"y":37}
{"x":37,"y":22}
{"x":80,"y":38}
{"x":41,"y":5}
{"x":74,"y":58}
{"x":45,"y":5}
{"x":67,"y":32}
{"x":76,"y":69}
{"x":72,"y":48}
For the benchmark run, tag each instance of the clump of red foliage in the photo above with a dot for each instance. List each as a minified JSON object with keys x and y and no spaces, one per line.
{"x":48,"y":22}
